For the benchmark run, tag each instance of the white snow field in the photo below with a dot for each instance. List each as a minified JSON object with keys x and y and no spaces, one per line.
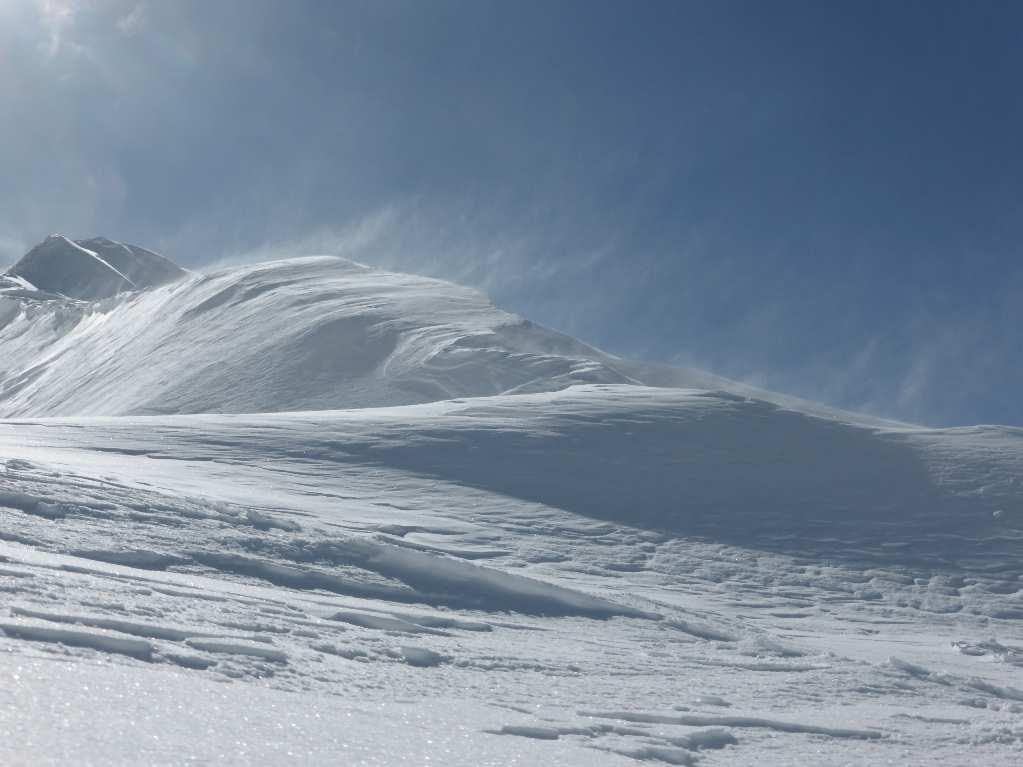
{"x":308,"y":512}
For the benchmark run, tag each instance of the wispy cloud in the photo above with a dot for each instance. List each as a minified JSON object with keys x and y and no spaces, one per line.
{"x":56,"y":16}
{"x":133,"y":21}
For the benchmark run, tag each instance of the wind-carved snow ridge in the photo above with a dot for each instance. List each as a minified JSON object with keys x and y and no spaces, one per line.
{"x":527,"y":551}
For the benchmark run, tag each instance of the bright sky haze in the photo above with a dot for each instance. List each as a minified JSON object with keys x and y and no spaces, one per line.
{"x":824,"y":199}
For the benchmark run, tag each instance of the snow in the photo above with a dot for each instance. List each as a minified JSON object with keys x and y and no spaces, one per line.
{"x":303,"y":334}
{"x":144,"y":268}
{"x":311,"y":512}
{"x":61,"y":266}
{"x":126,"y":714}
{"x":87,"y":269}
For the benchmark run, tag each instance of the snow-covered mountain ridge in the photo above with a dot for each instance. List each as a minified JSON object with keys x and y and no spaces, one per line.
{"x":300,"y":334}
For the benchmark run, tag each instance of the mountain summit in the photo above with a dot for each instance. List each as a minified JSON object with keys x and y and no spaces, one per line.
{"x":89,"y":269}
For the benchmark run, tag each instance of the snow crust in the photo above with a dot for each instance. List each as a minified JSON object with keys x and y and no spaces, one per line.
{"x":310,"y":512}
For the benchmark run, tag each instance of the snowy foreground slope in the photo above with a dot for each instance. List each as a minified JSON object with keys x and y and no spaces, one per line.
{"x":576,"y":569}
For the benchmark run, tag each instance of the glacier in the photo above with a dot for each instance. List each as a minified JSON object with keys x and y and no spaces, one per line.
{"x":311,"y":511}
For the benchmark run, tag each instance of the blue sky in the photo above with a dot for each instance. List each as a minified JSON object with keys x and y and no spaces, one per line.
{"x":820,"y":198}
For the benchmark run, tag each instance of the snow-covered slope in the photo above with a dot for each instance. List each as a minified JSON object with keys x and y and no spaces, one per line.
{"x":306,"y":333}
{"x":536,"y":553}
{"x":143,"y":267}
{"x":601,"y":575}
